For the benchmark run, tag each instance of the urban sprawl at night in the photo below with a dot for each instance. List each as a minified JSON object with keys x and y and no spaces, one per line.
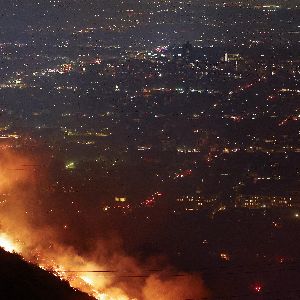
{"x":150,"y":150}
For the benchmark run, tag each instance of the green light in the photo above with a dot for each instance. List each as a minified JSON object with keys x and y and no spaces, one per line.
{"x":70,"y":165}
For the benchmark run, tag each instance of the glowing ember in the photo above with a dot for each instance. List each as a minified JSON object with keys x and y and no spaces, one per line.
{"x":87,"y":280}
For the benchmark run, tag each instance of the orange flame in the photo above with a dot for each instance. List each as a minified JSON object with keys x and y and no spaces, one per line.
{"x":8,"y":244}
{"x":18,"y":233}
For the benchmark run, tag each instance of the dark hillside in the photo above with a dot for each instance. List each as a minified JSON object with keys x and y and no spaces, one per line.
{"x":21,"y":281}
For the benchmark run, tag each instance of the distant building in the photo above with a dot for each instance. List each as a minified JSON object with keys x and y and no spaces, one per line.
{"x":232,"y":57}
{"x":120,"y":199}
{"x":194,"y":202}
{"x":263,"y":201}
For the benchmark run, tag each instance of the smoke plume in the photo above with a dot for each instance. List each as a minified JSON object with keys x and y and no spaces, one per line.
{"x":25,"y":230}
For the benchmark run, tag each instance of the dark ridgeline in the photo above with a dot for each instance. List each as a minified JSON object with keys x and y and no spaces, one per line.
{"x":23,"y":281}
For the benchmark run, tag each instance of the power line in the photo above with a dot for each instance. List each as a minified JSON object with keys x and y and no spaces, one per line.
{"x":244,"y":269}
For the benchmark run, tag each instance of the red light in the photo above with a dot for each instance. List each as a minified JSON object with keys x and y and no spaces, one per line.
{"x":257,"y":288}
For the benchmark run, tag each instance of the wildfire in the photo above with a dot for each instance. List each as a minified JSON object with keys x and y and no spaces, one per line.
{"x":41,"y":245}
{"x":8,"y":245}
{"x":80,"y":282}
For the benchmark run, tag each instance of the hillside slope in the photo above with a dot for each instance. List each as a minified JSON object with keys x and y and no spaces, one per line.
{"x":20,"y":280}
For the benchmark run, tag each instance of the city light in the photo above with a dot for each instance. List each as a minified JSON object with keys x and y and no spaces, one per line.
{"x":150,"y":150}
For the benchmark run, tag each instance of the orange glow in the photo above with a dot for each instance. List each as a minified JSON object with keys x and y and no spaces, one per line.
{"x":41,"y":245}
{"x":7,"y":244}
{"x":225,"y":256}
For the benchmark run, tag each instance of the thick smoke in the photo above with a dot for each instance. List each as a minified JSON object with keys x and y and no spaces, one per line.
{"x":27,"y":228}
{"x":187,"y":287}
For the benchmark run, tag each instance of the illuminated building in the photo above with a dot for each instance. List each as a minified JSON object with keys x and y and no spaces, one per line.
{"x":194,"y":202}
{"x":263,"y":201}
{"x":232,"y":57}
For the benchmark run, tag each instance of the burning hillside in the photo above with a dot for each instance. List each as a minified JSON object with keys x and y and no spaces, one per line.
{"x":20,"y":280}
{"x":25,"y":230}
